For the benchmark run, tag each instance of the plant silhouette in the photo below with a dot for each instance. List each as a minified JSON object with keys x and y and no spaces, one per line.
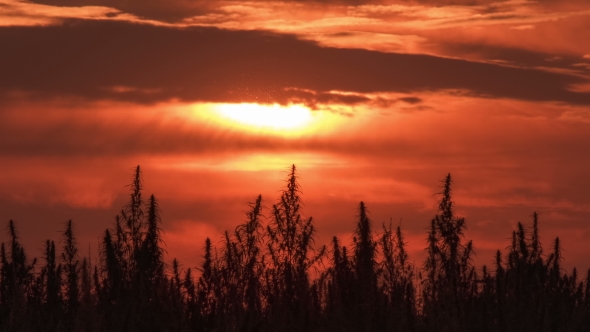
{"x":260,"y":278}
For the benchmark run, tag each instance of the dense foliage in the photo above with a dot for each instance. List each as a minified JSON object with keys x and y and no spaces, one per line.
{"x":269,"y":276}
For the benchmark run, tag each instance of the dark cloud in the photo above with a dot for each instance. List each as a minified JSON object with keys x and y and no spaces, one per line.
{"x":163,"y":10}
{"x":146,"y":64}
{"x":313,"y":98}
{"x":411,"y":100}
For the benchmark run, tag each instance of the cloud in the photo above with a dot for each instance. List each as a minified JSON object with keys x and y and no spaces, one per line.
{"x":22,"y":13}
{"x":93,"y":60}
{"x":523,"y":27}
{"x":47,"y":129}
{"x":163,"y":10}
{"x":176,"y":10}
{"x":411,"y":100}
{"x":513,"y":56}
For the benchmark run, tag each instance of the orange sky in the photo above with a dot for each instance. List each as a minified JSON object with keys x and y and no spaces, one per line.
{"x":372,"y":100}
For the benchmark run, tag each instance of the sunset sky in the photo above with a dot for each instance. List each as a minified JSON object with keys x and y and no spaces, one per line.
{"x":373,"y":101}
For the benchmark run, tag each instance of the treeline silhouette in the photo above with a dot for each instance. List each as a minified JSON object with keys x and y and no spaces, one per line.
{"x":267,"y":275}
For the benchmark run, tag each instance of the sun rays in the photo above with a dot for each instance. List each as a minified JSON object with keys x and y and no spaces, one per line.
{"x":275,"y":116}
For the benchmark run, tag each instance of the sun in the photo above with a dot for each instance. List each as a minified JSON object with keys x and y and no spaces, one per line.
{"x":286,"y":121}
{"x":267,"y":116}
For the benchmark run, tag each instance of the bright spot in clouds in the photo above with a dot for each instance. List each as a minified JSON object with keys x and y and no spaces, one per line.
{"x":270,"y":116}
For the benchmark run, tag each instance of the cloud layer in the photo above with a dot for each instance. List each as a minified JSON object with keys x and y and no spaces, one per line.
{"x":146,"y":64}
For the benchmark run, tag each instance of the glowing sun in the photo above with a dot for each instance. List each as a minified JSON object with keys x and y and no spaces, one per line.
{"x":267,"y":116}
